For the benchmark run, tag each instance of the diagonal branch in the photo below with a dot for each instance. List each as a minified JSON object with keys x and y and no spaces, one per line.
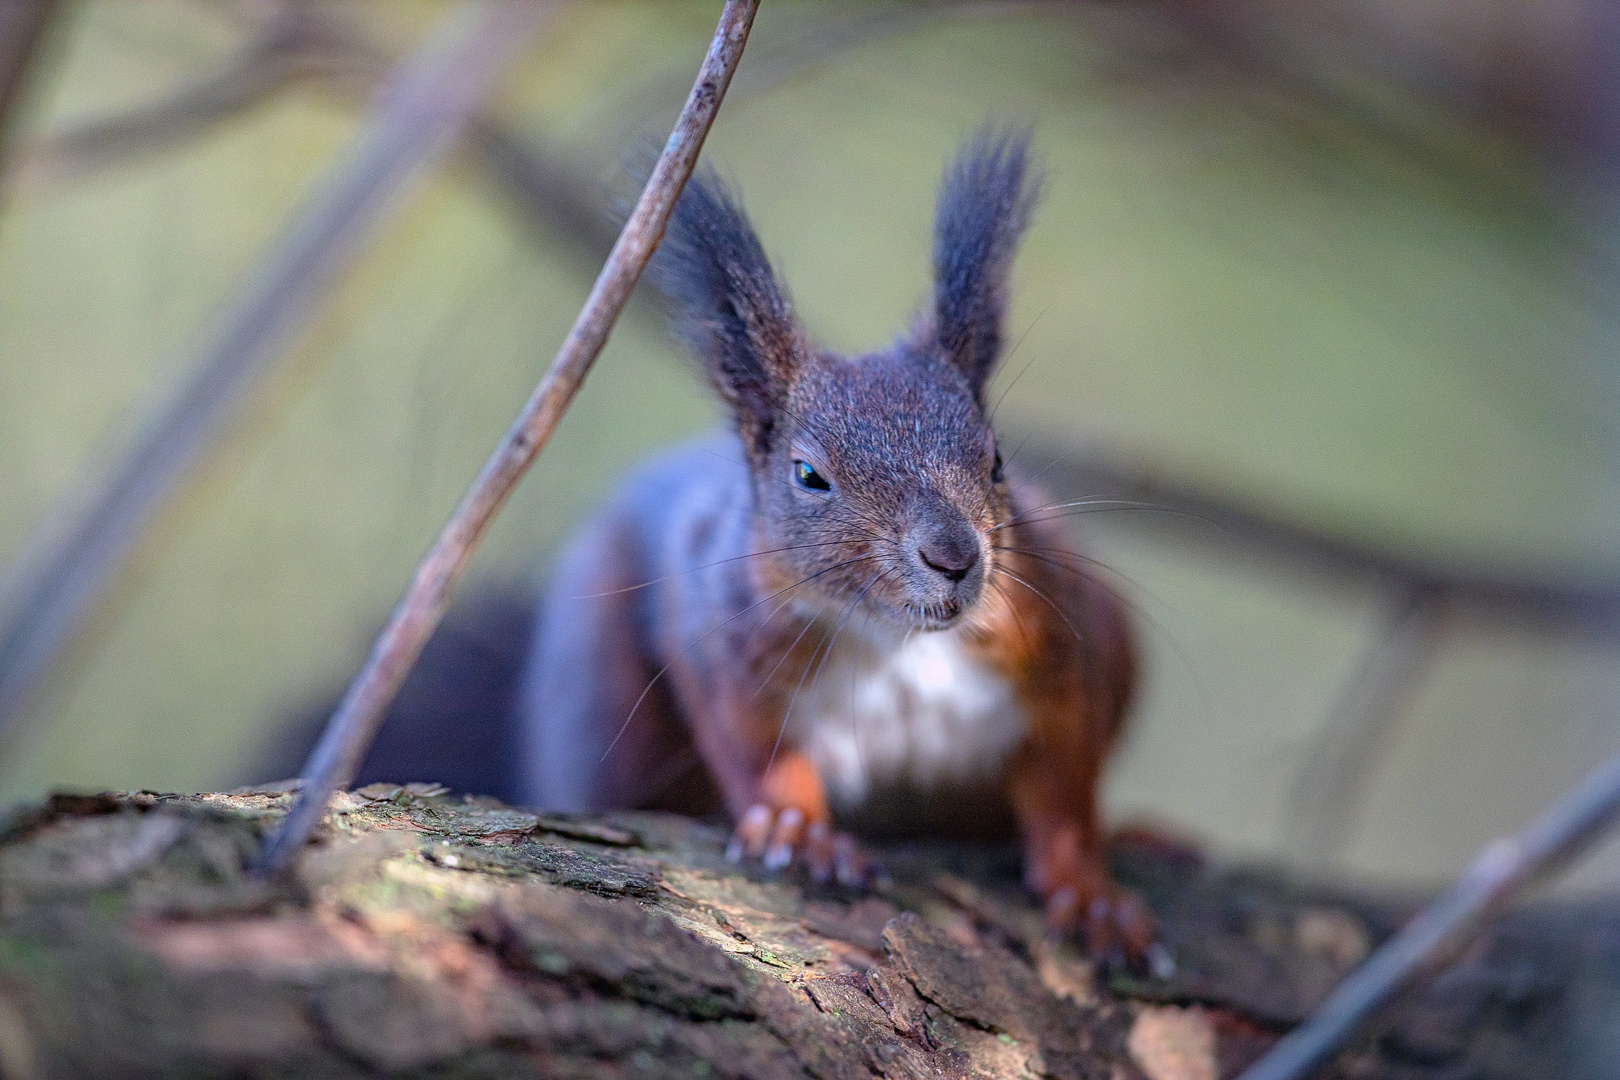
{"x":425,"y":106}
{"x":1438,"y":933}
{"x":353,"y":727}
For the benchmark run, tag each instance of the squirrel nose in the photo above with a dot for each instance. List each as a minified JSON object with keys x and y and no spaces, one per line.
{"x":953,"y":555}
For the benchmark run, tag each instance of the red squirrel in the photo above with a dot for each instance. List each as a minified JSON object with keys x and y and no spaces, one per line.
{"x":844,"y":611}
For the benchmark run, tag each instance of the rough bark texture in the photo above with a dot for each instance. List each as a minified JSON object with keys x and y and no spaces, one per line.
{"x":430,"y":936}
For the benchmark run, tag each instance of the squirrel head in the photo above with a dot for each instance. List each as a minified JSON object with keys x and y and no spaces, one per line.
{"x":877,"y":476}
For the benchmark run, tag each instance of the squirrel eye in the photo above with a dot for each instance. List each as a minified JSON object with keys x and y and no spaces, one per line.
{"x":808,"y":478}
{"x":996,"y":473}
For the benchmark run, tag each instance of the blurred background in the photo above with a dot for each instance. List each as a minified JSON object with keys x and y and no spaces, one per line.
{"x":1336,"y":278}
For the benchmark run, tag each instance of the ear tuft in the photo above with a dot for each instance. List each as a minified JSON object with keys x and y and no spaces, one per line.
{"x":985,"y":201}
{"x":727,"y":306}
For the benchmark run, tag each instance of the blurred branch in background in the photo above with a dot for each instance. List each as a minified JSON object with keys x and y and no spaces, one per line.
{"x":554,"y":194}
{"x":548,"y":194}
{"x":1530,"y":69}
{"x":1356,"y":733}
{"x":1571,"y":825}
{"x":426,"y":103}
{"x":292,"y":44}
{"x":22,"y":28}
{"x":1589,"y":605}
{"x":797,"y":53}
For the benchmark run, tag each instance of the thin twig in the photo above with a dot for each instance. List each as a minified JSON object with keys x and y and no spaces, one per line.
{"x":1441,"y":929}
{"x":426,"y":104}
{"x":355,"y":723}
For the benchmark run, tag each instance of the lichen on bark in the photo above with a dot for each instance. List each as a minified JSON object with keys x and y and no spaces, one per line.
{"x":426,"y":935}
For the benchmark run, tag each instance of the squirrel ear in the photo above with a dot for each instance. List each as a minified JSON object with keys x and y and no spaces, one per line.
{"x":985,"y":200}
{"x":727,"y":305}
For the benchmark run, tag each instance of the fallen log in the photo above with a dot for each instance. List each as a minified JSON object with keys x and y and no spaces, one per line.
{"x":424,"y":934}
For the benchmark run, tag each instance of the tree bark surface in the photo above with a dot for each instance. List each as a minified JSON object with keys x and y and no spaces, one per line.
{"x":427,"y":935}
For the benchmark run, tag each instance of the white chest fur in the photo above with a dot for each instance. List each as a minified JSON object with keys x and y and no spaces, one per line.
{"x":921,"y":712}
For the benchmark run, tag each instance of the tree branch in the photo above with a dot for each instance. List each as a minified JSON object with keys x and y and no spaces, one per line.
{"x":1438,"y":933}
{"x":353,"y":727}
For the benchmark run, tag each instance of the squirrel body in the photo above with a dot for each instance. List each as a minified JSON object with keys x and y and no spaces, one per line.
{"x":844,"y":613}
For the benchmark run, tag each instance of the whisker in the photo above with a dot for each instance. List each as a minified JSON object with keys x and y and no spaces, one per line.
{"x":1014,"y":456}
{"x":1036,"y":730}
{"x":1055,"y":554}
{"x":1084,"y":645}
{"x":1056,"y":562}
{"x":1081,"y":506}
{"x":1008,"y":388}
{"x":1018,"y":616}
{"x":1088,"y":501}
{"x":693,"y":643}
{"x":1033,"y":549}
{"x":1043,"y":470}
{"x":1136,"y":609}
{"x":1020,"y":515}
{"x":794,"y":644}
{"x":843,"y":622}
{"x":854,"y":717}
{"x":721,"y":562}
{"x":911,"y":629}
{"x":786,"y":715}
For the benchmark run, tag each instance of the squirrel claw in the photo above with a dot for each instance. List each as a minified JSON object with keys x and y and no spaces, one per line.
{"x":1115,"y":927}
{"x":1160,"y":964}
{"x":780,"y":839}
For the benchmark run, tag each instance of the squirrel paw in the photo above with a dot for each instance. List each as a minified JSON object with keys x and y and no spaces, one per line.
{"x":781,"y":838}
{"x":1113,"y":923}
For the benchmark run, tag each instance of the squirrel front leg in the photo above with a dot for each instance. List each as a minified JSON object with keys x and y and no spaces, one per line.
{"x":775,"y":794}
{"x":789,"y":822}
{"x":1065,"y":641}
{"x":1054,"y":794}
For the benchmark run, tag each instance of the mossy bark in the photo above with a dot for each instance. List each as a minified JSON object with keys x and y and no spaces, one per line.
{"x":426,"y":935}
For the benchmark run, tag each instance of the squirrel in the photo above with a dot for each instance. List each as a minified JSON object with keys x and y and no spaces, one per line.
{"x":845,"y":611}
